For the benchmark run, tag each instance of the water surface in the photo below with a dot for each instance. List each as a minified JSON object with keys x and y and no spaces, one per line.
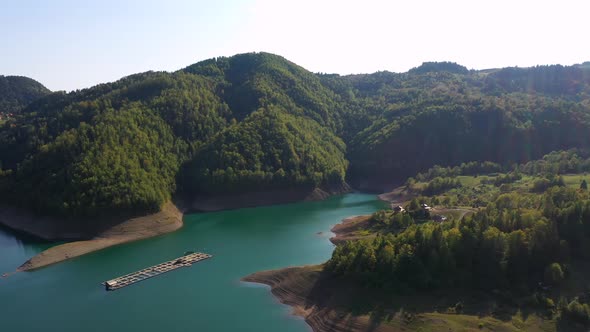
{"x":205,"y":297}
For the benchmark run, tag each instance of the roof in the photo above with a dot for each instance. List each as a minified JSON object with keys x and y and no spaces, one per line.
{"x":439,"y":217}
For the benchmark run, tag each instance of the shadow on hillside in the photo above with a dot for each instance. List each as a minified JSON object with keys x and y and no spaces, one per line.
{"x":349,"y":299}
{"x":564,"y":326}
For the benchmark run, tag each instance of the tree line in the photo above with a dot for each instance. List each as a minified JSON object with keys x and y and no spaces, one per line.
{"x":257,"y":121}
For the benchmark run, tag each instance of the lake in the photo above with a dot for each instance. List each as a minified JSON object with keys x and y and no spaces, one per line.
{"x":208,"y":296}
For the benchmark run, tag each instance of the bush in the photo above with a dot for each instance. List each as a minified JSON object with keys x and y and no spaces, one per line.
{"x":439,"y":185}
{"x":577,"y":312}
{"x":554,"y":274}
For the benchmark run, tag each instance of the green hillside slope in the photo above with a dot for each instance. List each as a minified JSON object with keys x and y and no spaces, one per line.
{"x":256,"y":122}
{"x":16,"y":92}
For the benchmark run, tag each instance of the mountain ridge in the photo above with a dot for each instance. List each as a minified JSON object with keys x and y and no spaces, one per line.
{"x":16,"y":92}
{"x":256,"y":121}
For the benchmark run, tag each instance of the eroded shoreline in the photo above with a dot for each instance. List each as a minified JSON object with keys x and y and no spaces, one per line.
{"x":83,"y":241}
{"x":328,"y":302}
{"x":306,"y":290}
{"x":167,"y":220}
{"x":311,"y":294}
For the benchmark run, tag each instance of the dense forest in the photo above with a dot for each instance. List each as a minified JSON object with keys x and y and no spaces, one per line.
{"x":16,"y":92}
{"x":526,"y":233}
{"x":256,"y":121}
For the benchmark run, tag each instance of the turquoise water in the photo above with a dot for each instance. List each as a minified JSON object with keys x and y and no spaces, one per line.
{"x":205,"y":297}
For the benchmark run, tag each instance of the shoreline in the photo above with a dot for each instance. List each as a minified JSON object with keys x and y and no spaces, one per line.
{"x":302,"y":288}
{"x":331,"y":304}
{"x":83,"y":239}
{"x":167,"y":220}
{"x":291,"y":286}
{"x":307,"y":291}
{"x":347,"y":229}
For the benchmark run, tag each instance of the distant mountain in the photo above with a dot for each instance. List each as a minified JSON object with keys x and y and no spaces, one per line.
{"x":258,"y":122}
{"x":450,"y":67}
{"x":16,"y":92}
{"x":412,"y":121}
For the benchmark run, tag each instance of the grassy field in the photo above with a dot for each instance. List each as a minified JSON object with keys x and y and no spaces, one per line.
{"x":457,"y":322}
{"x":574,"y":180}
{"x":571,"y":180}
{"x":473,"y":181}
{"x":476,"y":191}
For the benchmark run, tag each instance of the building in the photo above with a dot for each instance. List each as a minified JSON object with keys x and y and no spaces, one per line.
{"x":439,"y":218}
{"x":399,"y":209}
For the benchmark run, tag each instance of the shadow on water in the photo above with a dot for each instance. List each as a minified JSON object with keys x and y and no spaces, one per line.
{"x":197,"y":298}
{"x":7,"y":233}
{"x":267,"y":216}
{"x":17,"y":247}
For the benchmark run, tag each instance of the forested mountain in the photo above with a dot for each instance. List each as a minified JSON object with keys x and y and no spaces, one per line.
{"x":16,"y":92}
{"x":517,"y":237}
{"x":256,"y":121}
{"x":442,"y":117}
{"x":246,"y":123}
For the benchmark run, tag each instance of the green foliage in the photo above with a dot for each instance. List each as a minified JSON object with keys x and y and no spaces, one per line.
{"x":543,"y":184}
{"x":256,"y":121}
{"x":551,"y":80}
{"x":470,"y":168}
{"x":576,"y":312}
{"x":447,"y":119}
{"x":16,"y":92}
{"x":508,"y":245}
{"x":506,"y":178}
{"x":269,"y":149}
{"x":451,"y":67}
{"x":240,"y":124}
{"x":122,"y":162}
{"x":439,"y":185}
{"x":392,"y":221}
{"x":553,"y":274}
{"x":558,"y":162}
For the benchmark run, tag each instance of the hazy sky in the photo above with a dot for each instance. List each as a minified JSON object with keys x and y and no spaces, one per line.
{"x":72,"y":44}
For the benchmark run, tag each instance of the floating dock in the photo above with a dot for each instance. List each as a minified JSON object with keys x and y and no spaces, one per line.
{"x":156,"y":270}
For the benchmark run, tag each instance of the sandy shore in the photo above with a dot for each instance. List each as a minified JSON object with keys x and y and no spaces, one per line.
{"x":167,"y":220}
{"x":398,"y":196}
{"x":348,"y":229}
{"x":86,"y":240}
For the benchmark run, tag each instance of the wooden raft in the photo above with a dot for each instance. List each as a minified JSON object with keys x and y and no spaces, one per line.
{"x":131,"y":278}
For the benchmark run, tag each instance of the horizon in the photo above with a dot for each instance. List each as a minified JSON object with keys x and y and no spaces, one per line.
{"x":68,"y":46}
{"x":315,"y":72}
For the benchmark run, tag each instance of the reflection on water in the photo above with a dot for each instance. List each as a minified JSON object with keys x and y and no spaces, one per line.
{"x":205,"y":297}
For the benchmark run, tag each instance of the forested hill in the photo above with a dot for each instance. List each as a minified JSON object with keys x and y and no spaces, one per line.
{"x":16,"y":92}
{"x":449,"y":116}
{"x":257,"y":122}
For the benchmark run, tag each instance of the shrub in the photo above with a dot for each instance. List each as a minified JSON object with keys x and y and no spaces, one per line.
{"x":553,"y":274}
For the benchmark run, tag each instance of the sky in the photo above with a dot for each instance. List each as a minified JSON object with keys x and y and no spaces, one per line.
{"x":68,"y":45}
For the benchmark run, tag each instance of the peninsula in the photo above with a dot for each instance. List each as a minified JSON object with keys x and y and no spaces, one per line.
{"x":471,"y":247}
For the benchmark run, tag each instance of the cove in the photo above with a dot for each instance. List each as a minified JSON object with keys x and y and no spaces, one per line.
{"x":205,"y":297}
